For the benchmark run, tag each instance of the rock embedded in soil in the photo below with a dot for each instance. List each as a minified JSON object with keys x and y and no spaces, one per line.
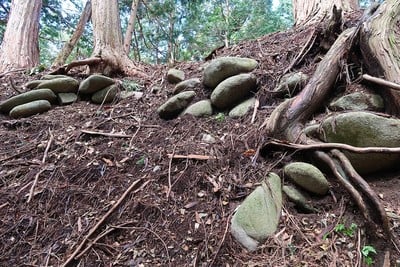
{"x":242,"y":109}
{"x":364,"y":129}
{"x":39,"y":94}
{"x":106,"y":95}
{"x":358,"y":101}
{"x":175,"y":105}
{"x":258,"y":216}
{"x":67,"y":98}
{"x":291,"y":83}
{"x":95,"y":83}
{"x":308,"y":177}
{"x":175,"y":76}
{"x":233,"y":90}
{"x":221,"y":68}
{"x":297,"y":198}
{"x":202,"y":108}
{"x":60,"y":85}
{"x":29,"y":109}
{"x":187,"y":84}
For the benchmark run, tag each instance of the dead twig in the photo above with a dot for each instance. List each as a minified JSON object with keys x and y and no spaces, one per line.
{"x":190,"y":156}
{"x":46,"y":151}
{"x":256,"y":105}
{"x":101,"y":221}
{"x":118,"y":135}
{"x":380,"y":81}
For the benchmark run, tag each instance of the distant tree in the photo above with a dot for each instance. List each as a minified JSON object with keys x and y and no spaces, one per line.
{"x":19,"y":48}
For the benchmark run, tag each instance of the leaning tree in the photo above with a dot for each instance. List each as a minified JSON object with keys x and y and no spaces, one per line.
{"x":20,"y":46}
{"x":375,"y":35}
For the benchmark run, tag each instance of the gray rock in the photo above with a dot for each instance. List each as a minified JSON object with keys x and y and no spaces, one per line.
{"x":202,"y":108}
{"x":128,"y":94}
{"x":308,"y":177}
{"x":359,"y":101}
{"x":187,"y":84}
{"x":32,"y":84}
{"x":39,"y":94}
{"x":67,"y":98}
{"x":29,"y":109}
{"x":60,"y":85}
{"x":258,"y":216}
{"x":242,"y":109}
{"x":291,"y":83}
{"x":95,"y":83}
{"x":297,"y":198}
{"x":175,"y":105}
{"x":175,"y":76}
{"x":233,"y":90}
{"x":208,"y":138}
{"x":363,"y":129}
{"x":221,"y":68}
{"x":106,"y":95}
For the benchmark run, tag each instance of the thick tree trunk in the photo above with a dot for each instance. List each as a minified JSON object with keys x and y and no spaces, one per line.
{"x":307,"y":12}
{"x":108,"y":40}
{"x":381,"y":49}
{"x":131,"y":26}
{"x":69,"y":46}
{"x":20,"y":47}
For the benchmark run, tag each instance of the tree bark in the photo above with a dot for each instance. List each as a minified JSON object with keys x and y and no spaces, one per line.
{"x":307,"y":12}
{"x":20,"y":46}
{"x":381,"y":49}
{"x":69,"y":46}
{"x":131,"y":26}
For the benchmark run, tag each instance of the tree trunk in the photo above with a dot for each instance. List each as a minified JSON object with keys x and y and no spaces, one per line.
{"x":108,"y":44}
{"x":381,"y":49}
{"x":307,"y":12}
{"x":20,"y":46}
{"x":69,"y":46}
{"x":131,"y":26}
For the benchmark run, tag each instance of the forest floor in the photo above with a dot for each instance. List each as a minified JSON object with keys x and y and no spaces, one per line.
{"x":177,"y":211}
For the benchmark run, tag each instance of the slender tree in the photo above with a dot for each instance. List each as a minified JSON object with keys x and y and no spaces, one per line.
{"x":20,"y":48}
{"x":131,"y":26}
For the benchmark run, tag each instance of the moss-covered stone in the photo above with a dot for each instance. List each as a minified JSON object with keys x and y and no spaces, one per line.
{"x":186,"y":85}
{"x":95,"y":83}
{"x":175,"y":105}
{"x":32,"y":84}
{"x":54,"y":76}
{"x":29,"y":109}
{"x":242,"y":109}
{"x":106,"y":95}
{"x":67,"y":98}
{"x":175,"y":76}
{"x":60,"y":85}
{"x":39,"y":94}
{"x":358,"y":101}
{"x":202,"y":108}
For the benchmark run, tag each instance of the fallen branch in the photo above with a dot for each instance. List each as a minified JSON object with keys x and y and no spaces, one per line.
{"x":329,"y":146}
{"x":101,"y":221}
{"x":11,"y":71}
{"x":380,"y":81}
{"x":190,"y":156}
{"x":106,"y":134}
{"x":46,"y":151}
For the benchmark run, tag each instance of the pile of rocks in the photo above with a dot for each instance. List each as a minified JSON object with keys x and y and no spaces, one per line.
{"x":58,"y":88}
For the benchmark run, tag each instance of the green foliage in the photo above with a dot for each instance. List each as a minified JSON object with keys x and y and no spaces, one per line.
{"x":368,"y":253}
{"x":347,"y":231}
{"x":220,"y":117}
{"x":4,"y":11}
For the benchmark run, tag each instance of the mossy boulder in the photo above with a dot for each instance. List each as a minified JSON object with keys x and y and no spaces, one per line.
{"x":364,"y":129}
{"x":29,"y":109}
{"x":175,"y":76}
{"x":258,"y":216}
{"x":32,"y":84}
{"x":308,"y":177}
{"x":60,"y":85}
{"x":242,"y":109}
{"x":105,"y":95}
{"x":39,"y":94}
{"x":95,"y":83}
{"x":297,"y":198}
{"x":291,"y":83}
{"x":233,"y":90}
{"x":221,"y":68}
{"x":202,"y":108}
{"x":53,"y":76}
{"x":358,"y":101}
{"x":186,"y":85}
{"x":175,"y":105}
{"x":67,"y":98}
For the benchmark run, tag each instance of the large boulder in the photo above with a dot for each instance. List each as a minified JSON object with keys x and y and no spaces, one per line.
{"x":60,"y":85}
{"x":29,"y":109}
{"x":258,"y":216}
{"x":95,"y":83}
{"x":221,"y":68}
{"x":242,"y":109}
{"x":39,"y":94}
{"x":175,"y":105}
{"x":363,"y":129}
{"x":175,"y":76}
{"x":233,"y":90}
{"x":202,"y":108}
{"x":358,"y":101}
{"x":308,"y":177}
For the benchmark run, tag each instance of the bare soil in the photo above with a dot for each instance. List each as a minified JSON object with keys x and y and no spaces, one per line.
{"x":178,"y":211}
